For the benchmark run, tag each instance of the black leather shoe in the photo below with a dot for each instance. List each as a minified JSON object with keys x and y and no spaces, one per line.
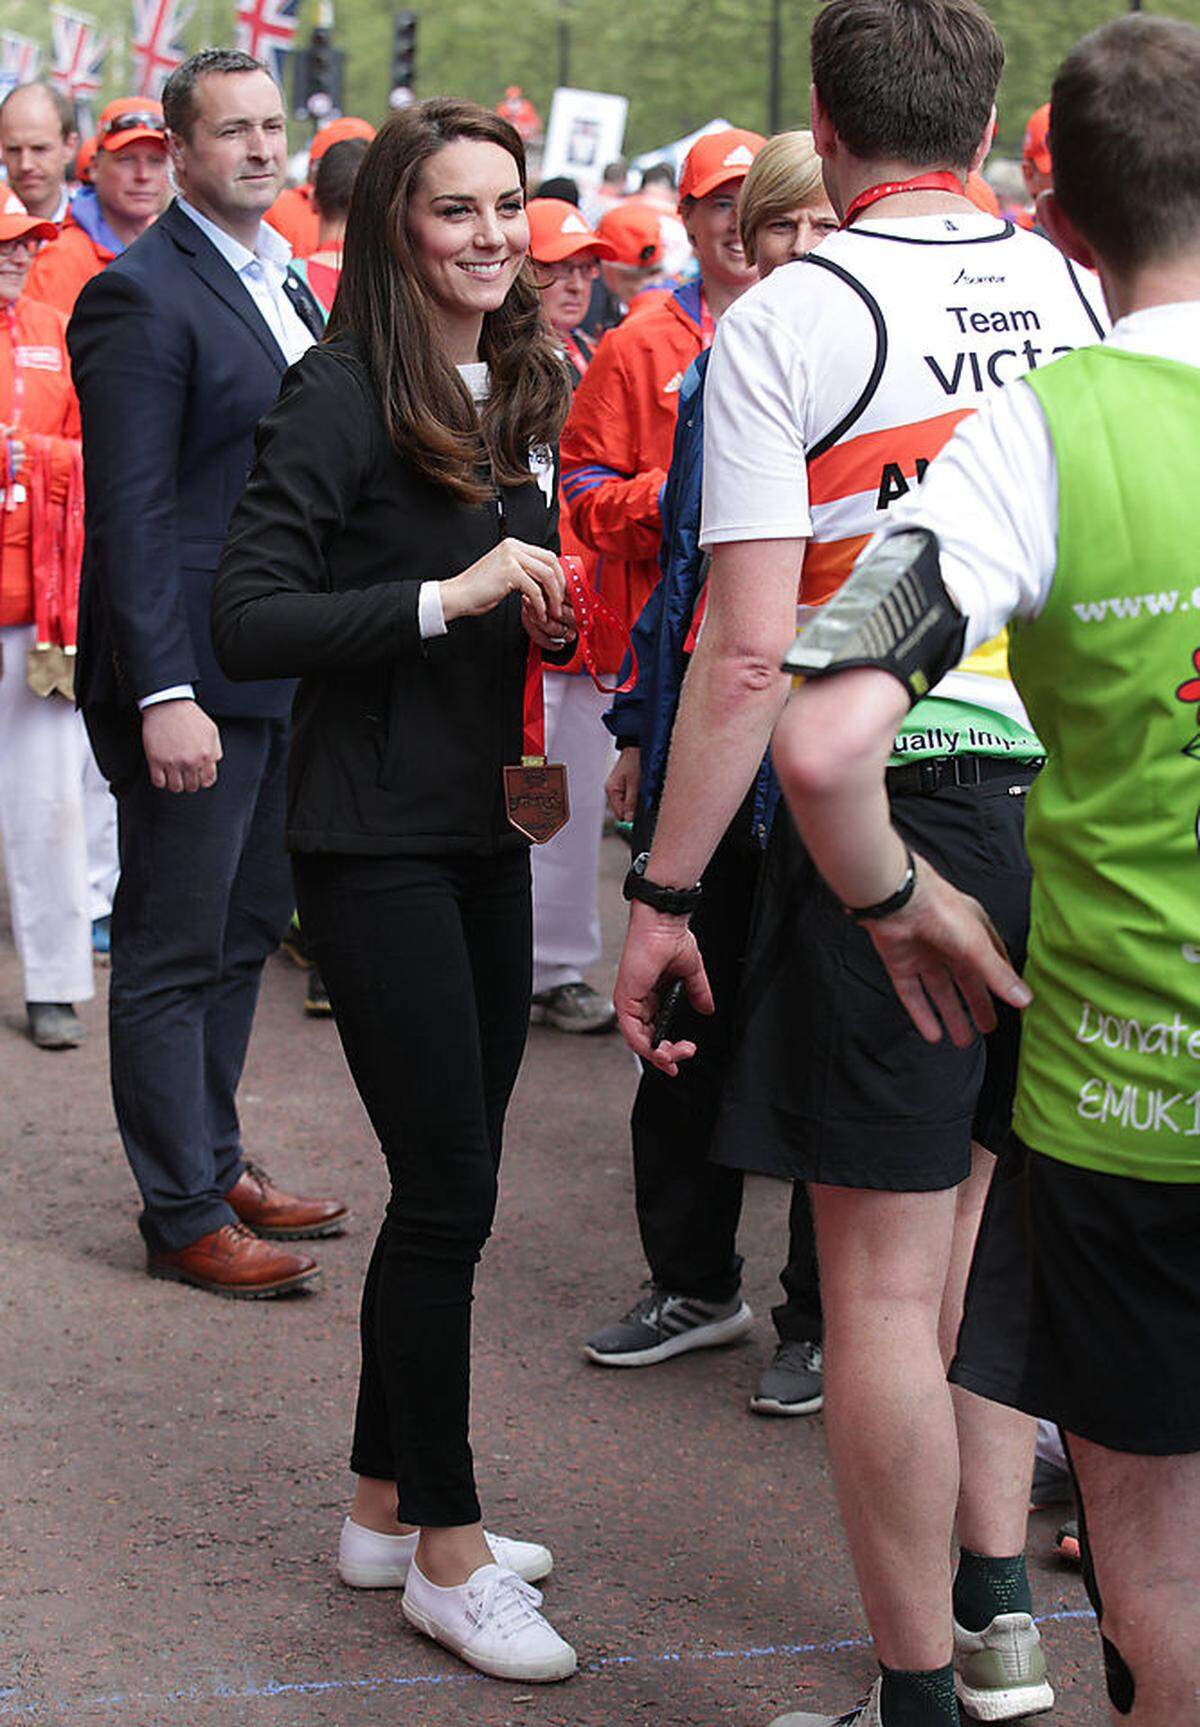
{"x":54,"y":1024}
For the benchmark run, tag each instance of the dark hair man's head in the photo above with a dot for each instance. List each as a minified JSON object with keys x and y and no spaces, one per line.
{"x":907,"y":81}
{"x":336,"y":173}
{"x":659,"y":174}
{"x":1125,"y":137}
{"x":179,"y":92}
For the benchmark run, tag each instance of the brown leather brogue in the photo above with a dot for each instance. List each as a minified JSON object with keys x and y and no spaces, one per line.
{"x":279,"y":1216}
{"x":232,"y":1261}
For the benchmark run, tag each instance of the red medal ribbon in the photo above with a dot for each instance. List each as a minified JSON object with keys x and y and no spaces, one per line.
{"x":589,"y":609}
{"x":708,"y":324}
{"x":941,"y":181}
{"x":575,"y":353}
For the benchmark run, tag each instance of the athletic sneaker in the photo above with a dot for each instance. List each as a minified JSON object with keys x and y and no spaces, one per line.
{"x":662,"y":1325}
{"x":794,"y":1383}
{"x":491,"y":1622}
{"x":1066,"y":1542}
{"x":369,"y":1560}
{"x":573,"y":1007}
{"x":868,"y":1713}
{"x":1000,"y":1673}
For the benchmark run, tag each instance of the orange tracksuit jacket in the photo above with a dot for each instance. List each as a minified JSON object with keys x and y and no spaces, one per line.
{"x":65,"y":266}
{"x":48,"y":409}
{"x":616,"y":445}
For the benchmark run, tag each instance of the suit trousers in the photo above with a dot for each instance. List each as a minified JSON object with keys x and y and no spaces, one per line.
{"x":42,"y":825}
{"x":203,"y":898}
{"x":688,"y":1208}
{"x":427,"y":964}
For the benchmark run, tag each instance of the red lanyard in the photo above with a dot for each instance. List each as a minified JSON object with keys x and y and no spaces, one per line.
{"x":575,"y":354}
{"x":589,"y":610}
{"x":9,"y":490}
{"x":708,"y":325}
{"x":942,"y":181}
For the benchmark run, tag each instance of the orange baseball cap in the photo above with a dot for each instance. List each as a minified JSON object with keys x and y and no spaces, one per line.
{"x":557,"y":231}
{"x":717,"y":158}
{"x":634,"y":232}
{"x":1037,"y":140}
{"x":85,"y":156}
{"x":131,"y":120}
{"x":16,"y":223}
{"x":337,"y":132}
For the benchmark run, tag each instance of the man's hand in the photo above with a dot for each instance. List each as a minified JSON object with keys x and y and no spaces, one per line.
{"x":658,"y":949}
{"x":943,"y":951}
{"x":182,"y":746}
{"x":622,"y":785}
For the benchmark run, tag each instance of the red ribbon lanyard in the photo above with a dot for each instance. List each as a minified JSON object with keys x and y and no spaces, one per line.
{"x":942,"y":181}
{"x":575,"y":354}
{"x":589,"y":610}
{"x":708,"y":324}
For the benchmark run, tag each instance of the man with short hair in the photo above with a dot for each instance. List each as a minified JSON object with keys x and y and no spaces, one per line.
{"x":127,"y":190}
{"x":831,"y":387}
{"x":178,"y":348}
{"x":1071,"y":487}
{"x":38,"y":138}
{"x":294,"y":213}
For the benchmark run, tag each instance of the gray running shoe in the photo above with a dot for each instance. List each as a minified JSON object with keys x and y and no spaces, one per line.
{"x":662,"y":1325}
{"x":1000,"y":1673}
{"x":868,"y":1713}
{"x":573,"y":1007}
{"x":794,"y":1383}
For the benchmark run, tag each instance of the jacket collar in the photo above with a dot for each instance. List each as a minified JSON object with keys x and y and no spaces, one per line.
{"x":219,"y":276}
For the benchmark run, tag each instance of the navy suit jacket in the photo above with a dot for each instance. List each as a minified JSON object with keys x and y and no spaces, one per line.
{"x":174,"y":367}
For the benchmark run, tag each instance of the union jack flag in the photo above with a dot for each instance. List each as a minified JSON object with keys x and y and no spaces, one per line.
{"x":20,"y":57}
{"x":267,"y":29}
{"x":79,"y":53}
{"x":156,"y":43}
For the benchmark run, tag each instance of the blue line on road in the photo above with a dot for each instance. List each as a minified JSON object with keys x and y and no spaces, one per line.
{"x":13,"y":1704}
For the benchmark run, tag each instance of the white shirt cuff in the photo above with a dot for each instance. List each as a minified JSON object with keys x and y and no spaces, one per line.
{"x":176,"y":693}
{"x":431,"y":620}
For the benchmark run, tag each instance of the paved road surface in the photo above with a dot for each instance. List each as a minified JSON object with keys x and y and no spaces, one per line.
{"x":172,"y":1467}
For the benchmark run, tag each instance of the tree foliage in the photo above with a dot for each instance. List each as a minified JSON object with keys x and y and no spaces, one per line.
{"x":679,"y":63}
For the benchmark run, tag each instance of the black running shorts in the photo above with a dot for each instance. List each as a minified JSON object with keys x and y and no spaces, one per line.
{"x":1083,"y":1305}
{"x":830,"y":1080}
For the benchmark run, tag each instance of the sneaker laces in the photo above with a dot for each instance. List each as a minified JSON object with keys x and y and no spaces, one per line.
{"x":649,"y":1307}
{"x":507,"y":1602}
{"x":799,"y":1352}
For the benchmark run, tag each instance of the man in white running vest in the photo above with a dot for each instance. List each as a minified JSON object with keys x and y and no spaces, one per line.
{"x":831,"y":388}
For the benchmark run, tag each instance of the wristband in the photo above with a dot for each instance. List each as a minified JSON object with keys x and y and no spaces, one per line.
{"x":893,"y":903}
{"x":675,"y":901}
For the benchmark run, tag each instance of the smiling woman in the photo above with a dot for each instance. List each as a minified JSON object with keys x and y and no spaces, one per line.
{"x":396,"y":548}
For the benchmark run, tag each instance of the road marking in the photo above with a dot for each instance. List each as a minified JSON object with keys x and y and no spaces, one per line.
{"x":13,"y":1703}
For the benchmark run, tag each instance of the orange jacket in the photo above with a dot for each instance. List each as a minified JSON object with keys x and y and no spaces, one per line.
{"x":616,"y":445}
{"x":293,"y":216}
{"x":64,"y":267}
{"x":36,"y":336}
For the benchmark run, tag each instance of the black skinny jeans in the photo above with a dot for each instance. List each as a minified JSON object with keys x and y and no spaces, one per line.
{"x":428,"y":966}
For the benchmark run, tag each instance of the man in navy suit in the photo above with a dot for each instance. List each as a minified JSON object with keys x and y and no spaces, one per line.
{"x":177,"y":351}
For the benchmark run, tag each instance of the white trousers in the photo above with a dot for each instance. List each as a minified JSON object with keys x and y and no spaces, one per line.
{"x":566,"y":871}
{"x":100,"y":825}
{"x":42,"y":826}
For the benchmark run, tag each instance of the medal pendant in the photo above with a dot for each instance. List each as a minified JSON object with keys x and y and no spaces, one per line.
{"x":535,"y":798}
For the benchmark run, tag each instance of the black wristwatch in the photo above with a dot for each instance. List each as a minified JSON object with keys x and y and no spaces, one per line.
{"x":676,"y":901}
{"x":894,"y":901}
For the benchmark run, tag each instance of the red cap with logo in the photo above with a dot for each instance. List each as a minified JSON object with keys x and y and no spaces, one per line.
{"x":17,"y":224}
{"x":558,"y":231}
{"x":1037,"y":140}
{"x":337,"y":132}
{"x":131,"y":120}
{"x":634,"y":232}
{"x":717,"y":158}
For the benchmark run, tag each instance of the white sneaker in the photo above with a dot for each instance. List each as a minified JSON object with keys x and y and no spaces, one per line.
{"x":1000,"y":1673}
{"x":368,"y":1560}
{"x":868,"y":1713}
{"x":492,"y":1622}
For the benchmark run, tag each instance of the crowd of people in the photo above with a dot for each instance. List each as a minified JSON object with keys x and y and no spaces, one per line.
{"x":795,"y":515}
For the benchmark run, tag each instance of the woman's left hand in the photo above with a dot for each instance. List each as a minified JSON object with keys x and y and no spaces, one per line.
{"x":551,"y":636}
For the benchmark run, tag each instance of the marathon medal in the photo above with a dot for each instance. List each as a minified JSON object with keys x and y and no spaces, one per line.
{"x":535,"y":797}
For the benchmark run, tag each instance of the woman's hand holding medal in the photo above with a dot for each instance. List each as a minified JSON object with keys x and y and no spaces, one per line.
{"x":514,"y":567}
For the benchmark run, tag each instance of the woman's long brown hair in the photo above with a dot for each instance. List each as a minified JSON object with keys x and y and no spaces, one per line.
{"x":382,"y":301}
